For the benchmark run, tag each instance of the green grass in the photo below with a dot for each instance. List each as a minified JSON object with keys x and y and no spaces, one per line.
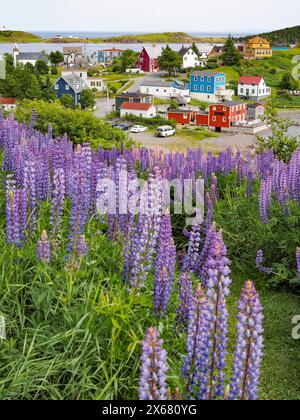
{"x":18,"y":36}
{"x":75,"y":334}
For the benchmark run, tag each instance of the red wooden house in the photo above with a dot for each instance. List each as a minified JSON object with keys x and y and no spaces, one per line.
{"x":224,"y":115}
{"x":148,"y":59}
{"x":184,"y":117}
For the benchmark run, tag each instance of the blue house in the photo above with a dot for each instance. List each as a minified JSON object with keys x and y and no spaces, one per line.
{"x":70,"y":85}
{"x":209,"y":86}
{"x":108,"y":56}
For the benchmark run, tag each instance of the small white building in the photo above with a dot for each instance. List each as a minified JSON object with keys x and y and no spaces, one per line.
{"x":205,"y":52}
{"x":73,"y":54}
{"x":92,"y":82}
{"x":253,"y":88}
{"x":164,"y":90}
{"x":8,"y":104}
{"x":189,"y":58}
{"x":28,"y":57}
{"x":144,"y":110}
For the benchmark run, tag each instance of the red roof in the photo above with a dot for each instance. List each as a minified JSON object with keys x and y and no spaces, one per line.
{"x":136,"y":106}
{"x":7,"y":101}
{"x":112,"y":50}
{"x":250,"y":80}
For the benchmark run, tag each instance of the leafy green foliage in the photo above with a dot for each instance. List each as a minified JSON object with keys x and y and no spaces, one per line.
{"x":280,"y":142}
{"x":87,"y":99}
{"x":288,"y":82}
{"x":68,"y":101}
{"x":81,"y":126}
{"x":169,"y":60}
{"x":41,"y":67}
{"x":126,"y":61}
{"x":150,"y":122}
{"x":56,"y":57}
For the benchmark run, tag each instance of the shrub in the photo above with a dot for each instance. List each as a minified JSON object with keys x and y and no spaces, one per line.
{"x":150,"y":122}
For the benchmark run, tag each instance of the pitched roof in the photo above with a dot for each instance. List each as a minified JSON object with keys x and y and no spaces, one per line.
{"x":112,"y":50}
{"x":154,"y":51}
{"x":133,"y":95}
{"x":158,"y":83}
{"x":7,"y":101}
{"x":258,"y":40}
{"x":250,"y":80}
{"x":136,"y":106}
{"x":73,"y":49}
{"x":76,"y":82}
{"x":32,"y":56}
{"x":183,"y":50}
{"x":231,"y":103}
{"x":207,"y":73}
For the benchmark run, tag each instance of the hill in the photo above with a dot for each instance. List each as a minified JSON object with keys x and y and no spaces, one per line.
{"x":160,"y":38}
{"x":18,"y":36}
{"x":285,"y":36}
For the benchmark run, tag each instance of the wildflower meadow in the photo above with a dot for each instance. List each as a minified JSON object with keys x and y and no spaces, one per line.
{"x":144,"y":300}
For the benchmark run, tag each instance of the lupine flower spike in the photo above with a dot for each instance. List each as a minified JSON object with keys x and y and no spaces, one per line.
{"x":154,"y":367}
{"x":43,"y":249}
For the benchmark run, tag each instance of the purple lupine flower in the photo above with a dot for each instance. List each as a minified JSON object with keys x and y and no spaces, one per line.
{"x":82,"y":247}
{"x":43,"y":248}
{"x":12,"y":213}
{"x":259,"y":261}
{"x":185,"y":298}
{"x":194,"y":340}
{"x":154,"y":367}
{"x":164,"y":266}
{"x":249,"y":346}
{"x":193,"y":249}
{"x":212,"y":357}
{"x":265,"y":198}
{"x":298,"y":262}
{"x":59,"y":194}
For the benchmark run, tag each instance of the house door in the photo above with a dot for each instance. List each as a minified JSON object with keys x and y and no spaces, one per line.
{"x":247,"y":92}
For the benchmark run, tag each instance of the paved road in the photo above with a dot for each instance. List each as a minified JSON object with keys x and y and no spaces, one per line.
{"x":104,"y":106}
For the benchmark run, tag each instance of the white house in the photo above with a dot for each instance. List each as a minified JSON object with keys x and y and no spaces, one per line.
{"x":92,"y":82}
{"x":8,"y":104}
{"x":164,"y":90}
{"x":205,"y":52}
{"x":144,"y":110}
{"x":28,"y":57}
{"x":74,"y":54}
{"x":189,"y":57}
{"x":253,"y":88}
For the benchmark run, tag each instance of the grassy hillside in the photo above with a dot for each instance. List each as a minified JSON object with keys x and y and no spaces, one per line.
{"x":161,"y":38}
{"x":282,"y":36}
{"x":18,"y":36}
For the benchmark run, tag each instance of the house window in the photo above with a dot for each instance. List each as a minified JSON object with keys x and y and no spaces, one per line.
{"x":224,"y":109}
{"x":141,"y":114}
{"x":209,"y":79}
{"x":56,"y":87}
{"x":67,"y":87}
{"x":196,"y":87}
{"x":224,"y":119}
{"x":214,"y":108}
{"x":195,"y":78}
{"x":208,"y":88}
{"x":242,"y":90}
{"x":130,"y":99}
{"x":202,"y":79}
{"x":214,"y":119}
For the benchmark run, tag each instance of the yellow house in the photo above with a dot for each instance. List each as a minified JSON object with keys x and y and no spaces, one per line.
{"x":257,"y":48}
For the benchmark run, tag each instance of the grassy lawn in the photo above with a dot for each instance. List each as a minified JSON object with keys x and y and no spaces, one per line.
{"x":120,"y":76}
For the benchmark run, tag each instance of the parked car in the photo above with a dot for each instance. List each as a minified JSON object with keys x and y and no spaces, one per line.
{"x":165,"y":131}
{"x":113,"y":122}
{"x":123,"y":126}
{"x":138,"y":129}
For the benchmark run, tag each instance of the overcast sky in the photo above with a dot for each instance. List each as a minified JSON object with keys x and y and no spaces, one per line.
{"x":149,"y":16}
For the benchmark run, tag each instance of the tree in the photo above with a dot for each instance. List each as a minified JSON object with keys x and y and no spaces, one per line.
{"x":56,"y":57}
{"x":288,"y":82}
{"x":68,"y":101}
{"x":169,"y":60}
{"x":47,"y":89}
{"x":174,"y":106}
{"x":280,"y":142}
{"x":196,"y":49}
{"x":126,"y":61}
{"x":87,"y":99}
{"x":230,"y":56}
{"x":41,"y":67}
{"x":212,"y":63}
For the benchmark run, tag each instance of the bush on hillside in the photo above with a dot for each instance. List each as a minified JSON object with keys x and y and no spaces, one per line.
{"x":80,"y":126}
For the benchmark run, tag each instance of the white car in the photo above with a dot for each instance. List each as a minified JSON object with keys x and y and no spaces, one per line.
{"x":138,"y":129}
{"x":165,"y":131}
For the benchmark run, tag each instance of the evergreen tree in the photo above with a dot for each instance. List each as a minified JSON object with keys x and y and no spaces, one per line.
{"x":288,"y":82}
{"x":169,"y":60}
{"x":56,"y":57}
{"x":196,"y":49}
{"x":230,"y":56}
